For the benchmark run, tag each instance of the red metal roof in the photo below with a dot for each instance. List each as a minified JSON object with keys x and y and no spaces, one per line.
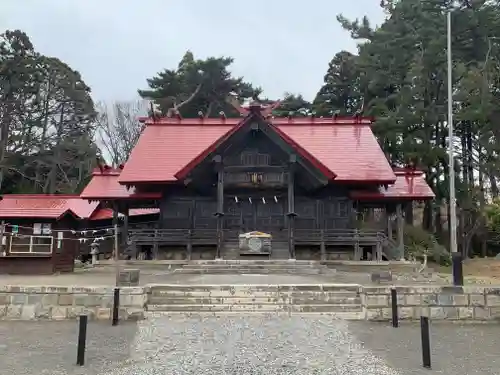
{"x":184,"y":171}
{"x":409,"y":185}
{"x":107,"y":213}
{"x":44,"y":206}
{"x":341,"y":147}
{"x":104,"y":185}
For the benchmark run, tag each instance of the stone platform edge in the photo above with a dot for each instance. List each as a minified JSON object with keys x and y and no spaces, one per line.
{"x":480,"y":303}
{"x":474,"y":303}
{"x":68,"y":302}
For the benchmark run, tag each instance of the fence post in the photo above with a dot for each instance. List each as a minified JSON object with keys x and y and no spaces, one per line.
{"x":116,"y":306}
{"x":426,"y":345}
{"x":394,"y":305}
{"x":82,"y":338}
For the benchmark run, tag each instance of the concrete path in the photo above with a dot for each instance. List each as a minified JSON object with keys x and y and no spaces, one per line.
{"x":245,"y":345}
{"x":106,"y":277}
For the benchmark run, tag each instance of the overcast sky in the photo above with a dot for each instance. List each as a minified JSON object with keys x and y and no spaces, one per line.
{"x":280,"y":45}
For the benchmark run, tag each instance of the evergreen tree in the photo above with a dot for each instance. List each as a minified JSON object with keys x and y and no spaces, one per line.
{"x":198,"y":86}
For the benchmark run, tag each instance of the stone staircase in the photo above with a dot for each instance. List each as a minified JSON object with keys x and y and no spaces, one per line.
{"x":340,"y":300}
{"x":255,"y":267}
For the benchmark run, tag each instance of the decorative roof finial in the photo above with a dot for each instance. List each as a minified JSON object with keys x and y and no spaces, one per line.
{"x":255,"y":105}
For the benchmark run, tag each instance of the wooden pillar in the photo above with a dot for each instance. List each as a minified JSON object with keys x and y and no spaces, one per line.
{"x":156,"y":248}
{"x":322,"y":244}
{"x":378,"y":251}
{"x":220,"y":203}
{"x":400,"y":231}
{"x":358,"y":253}
{"x":389,"y":222}
{"x":189,"y":245}
{"x":115,"y":222}
{"x":408,"y":212}
{"x":124,"y":232}
{"x":116,"y":243}
{"x":291,"y":206}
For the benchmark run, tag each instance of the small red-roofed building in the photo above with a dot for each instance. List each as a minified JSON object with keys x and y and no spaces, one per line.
{"x":299,"y":179}
{"x":45,"y":233}
{"x":36,"y":232}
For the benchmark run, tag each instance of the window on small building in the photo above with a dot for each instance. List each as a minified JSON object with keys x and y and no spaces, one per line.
{"x":46,"y":228}
{"x":42,"y":228}
{"x":31,"y":244}
{"x":37,"y":228}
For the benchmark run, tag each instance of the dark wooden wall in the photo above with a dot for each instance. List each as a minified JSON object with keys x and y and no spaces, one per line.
{"x":328,"y":210}
{"x":249,"y":206}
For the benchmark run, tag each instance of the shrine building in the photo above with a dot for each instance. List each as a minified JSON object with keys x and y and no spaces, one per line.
{"x":303,"y":180}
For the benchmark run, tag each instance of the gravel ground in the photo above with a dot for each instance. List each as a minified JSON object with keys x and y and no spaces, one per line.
{"x":49,"y":348}
{"x":252,"y":345}
{"x":255,"y":345}
{"x":458,"y":349}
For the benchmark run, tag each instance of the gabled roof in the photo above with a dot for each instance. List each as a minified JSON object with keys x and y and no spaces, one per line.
{"x":346,"y":147}
{"x":409,"y":185}
{"x":249,"y":119}
{"x":104,"y":185}
{"x":45,"y":206}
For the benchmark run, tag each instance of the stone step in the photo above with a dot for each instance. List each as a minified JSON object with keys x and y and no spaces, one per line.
{"x":252,"y":265}
{"x":257,"y":290}
{"x":254,"y":271}
{"x":255,"y":262}
{"x":242,"y":308}
{"x":244,"y":293}
{"x":255,"y":300}
{"x":238,"y":299}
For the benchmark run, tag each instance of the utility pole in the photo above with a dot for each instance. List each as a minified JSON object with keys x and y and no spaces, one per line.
{"x":456,"y":256}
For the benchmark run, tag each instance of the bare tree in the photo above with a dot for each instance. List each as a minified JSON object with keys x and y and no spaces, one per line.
{"x":118,"y":129}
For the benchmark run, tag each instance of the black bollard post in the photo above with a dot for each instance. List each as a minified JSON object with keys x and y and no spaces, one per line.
{"x":116,"y":306}
{"x":394,"y":304}
{"x":426,"y":345}
{"x":457,"y":268}
{"x":82,"y":338}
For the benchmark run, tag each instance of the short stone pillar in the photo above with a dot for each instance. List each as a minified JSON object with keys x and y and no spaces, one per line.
{"x":129,"y":277}
{"x":94,"y":251}
{"x":380,"y":277}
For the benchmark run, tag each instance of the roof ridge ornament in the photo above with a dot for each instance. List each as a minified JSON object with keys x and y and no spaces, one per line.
{"x":254,"y":106}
